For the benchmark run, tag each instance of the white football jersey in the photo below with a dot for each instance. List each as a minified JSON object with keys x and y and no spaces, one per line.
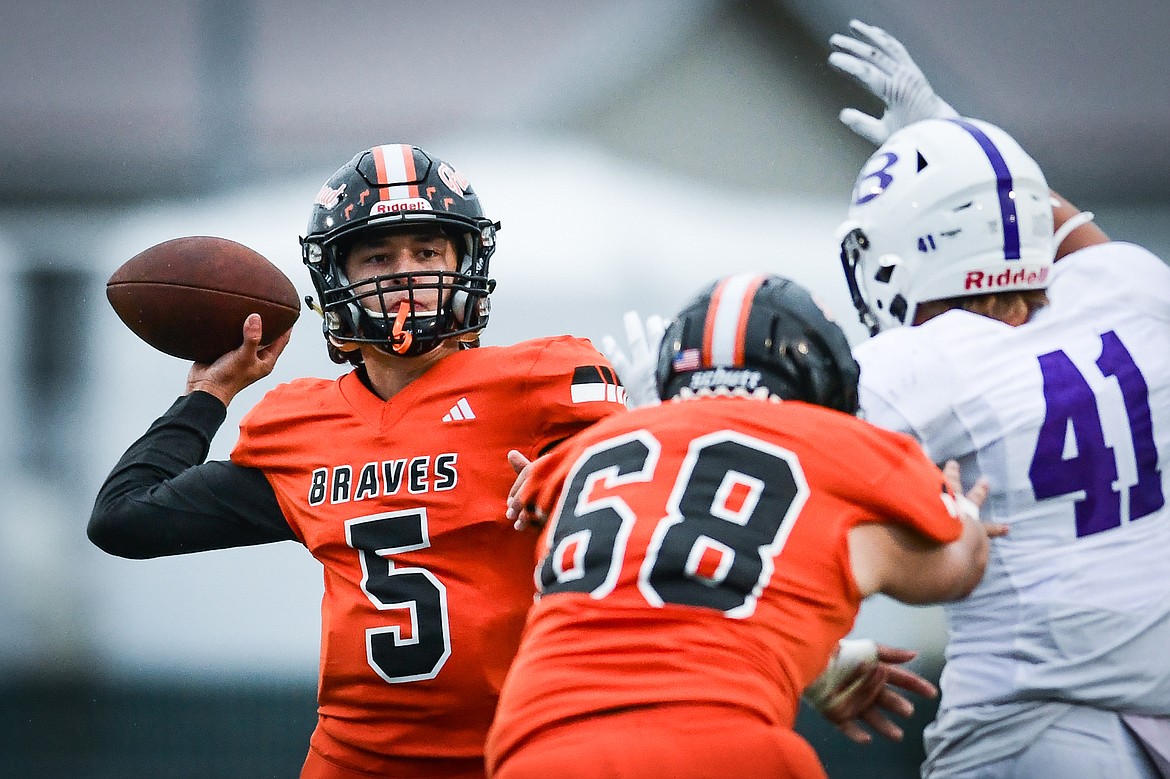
{"x":1068,"y":417}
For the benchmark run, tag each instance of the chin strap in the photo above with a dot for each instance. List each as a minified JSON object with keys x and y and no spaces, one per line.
{"x":400,"y":340}
{"x":1084,"y":217}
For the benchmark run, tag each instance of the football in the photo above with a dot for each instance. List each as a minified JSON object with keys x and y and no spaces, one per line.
{"x":189,"y":297}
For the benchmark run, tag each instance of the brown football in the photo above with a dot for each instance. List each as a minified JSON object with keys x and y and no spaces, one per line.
{"x":189,"y":297}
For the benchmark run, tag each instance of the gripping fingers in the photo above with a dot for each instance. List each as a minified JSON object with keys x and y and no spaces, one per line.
{"x":615,"y":354}
{"x":860,"y":54}
{"x":951,"y":474}
{"x":866,"y":73}
{"x":850,"y":47}
{"x":638,"y":365}
{"x":882,"y":724}
{"x":911,"y":682}
{"x":978,"y":493}
{"x":874,"y":46}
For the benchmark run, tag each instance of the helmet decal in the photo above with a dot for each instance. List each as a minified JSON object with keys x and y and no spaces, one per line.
{"x":329,"y":198}
{"x":383,"y":207}
{"x":727,"y":316}
{"x":453,"y":179}
{"x":864,"y":191}
{"x":1003,"y":185}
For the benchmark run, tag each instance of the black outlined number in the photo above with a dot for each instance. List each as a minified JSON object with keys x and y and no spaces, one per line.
{"x":422,"y":654}
{"x":590,"y":536}
{"x":729,"y":514}
{"x":732,"y":508}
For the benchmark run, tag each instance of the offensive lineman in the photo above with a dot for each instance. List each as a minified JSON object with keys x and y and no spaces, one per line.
{"x":704,"y":556}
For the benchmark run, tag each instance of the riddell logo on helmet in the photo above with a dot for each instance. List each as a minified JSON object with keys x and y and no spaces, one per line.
{"x":398,"y":206}
{"x":982,"y":280}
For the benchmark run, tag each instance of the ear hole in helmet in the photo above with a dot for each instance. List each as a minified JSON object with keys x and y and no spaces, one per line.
{"x":883,"y":274}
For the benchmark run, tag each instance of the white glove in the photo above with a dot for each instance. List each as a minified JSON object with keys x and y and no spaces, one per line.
{"x":637,"y":369}
{"x":826,"y":691}
{"x":880,"y":63}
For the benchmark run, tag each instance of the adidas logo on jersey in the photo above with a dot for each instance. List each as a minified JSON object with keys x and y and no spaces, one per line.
{"x":460,"y":411}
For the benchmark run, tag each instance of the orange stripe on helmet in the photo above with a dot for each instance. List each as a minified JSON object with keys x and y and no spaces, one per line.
{"x":395,"y":166}
{"x":749,"y":295}
{"x":408,"y":168}
{"x":725,"y":328}
{"x":380,"y":167}
{"x":709,"y":324}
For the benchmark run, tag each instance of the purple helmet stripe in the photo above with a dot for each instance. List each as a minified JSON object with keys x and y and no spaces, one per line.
{"x":1007,"y":205}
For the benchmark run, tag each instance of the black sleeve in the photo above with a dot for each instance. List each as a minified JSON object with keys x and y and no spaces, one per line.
{"x":162,"y":499}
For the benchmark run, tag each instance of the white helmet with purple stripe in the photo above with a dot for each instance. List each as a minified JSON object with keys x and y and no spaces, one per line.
{"x":945,"y":208}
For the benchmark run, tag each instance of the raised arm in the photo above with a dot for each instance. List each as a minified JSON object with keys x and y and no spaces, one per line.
{"x":880,"y":63}
{"x":1078,"y":227}
{"x":162,"y":499}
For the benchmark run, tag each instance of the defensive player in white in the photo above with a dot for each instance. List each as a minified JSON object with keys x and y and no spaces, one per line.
{"x":1013,"y":336}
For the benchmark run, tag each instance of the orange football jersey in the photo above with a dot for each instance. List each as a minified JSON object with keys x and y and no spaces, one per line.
{"x":697,"y":553}
{"x":426,"y":582}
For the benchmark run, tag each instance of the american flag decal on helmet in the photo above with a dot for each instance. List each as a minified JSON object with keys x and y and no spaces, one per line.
{"x":687,"y":360}
{"x":593,"y":383}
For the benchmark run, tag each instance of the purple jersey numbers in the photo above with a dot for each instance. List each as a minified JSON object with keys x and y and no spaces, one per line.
{"x":1092,"y":469}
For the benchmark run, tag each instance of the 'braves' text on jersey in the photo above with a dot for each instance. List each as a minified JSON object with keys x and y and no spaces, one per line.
{"x":426,"y":583}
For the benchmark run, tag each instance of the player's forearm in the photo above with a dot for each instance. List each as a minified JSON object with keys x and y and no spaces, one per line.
{"x":122,"y":522}
{"x":964,"y":561}
{"x":161,"y":500}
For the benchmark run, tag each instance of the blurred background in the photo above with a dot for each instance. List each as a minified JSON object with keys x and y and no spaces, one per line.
{"x":632,"y":149}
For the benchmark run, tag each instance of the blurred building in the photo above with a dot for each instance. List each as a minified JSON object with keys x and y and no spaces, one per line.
{"x":633,"y":150}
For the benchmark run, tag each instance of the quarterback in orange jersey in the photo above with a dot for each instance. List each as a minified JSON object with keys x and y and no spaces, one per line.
{"x":393,"y":476}
{"x":703,"y":557}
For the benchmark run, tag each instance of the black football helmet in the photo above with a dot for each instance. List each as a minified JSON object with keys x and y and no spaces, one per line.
{"x":387,"y":188}
{"x":752,"y":331}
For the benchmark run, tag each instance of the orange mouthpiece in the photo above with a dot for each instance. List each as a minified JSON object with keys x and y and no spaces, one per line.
{"x":400,"y":340}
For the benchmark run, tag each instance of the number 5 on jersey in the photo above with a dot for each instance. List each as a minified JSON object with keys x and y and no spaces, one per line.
{"x":416,"y":591}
